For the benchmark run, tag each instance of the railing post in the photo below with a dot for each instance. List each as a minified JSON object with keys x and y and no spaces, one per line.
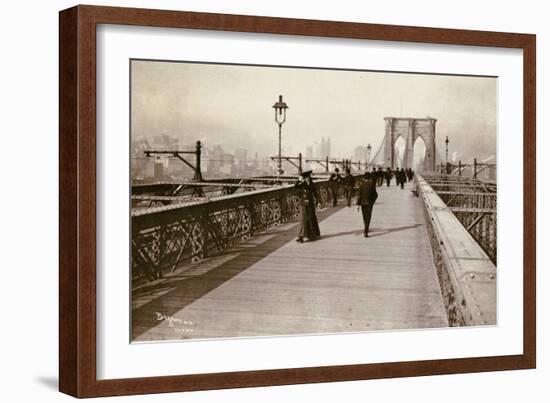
{"x":299,"y":163}
{"x":326,"y":166}
{"x":200,"y":236}
{"x":459,"y":168}
{"x":475,"y":168}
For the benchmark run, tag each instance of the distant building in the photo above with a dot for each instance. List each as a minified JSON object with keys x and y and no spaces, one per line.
{"x":322,"y":149}
{"x":141,"y":165}
{"x":241,"y":159}
{"x":151,"y":168}
{"x":163,"y":142}
{"x":309,"y":151}
{"x":215,"y":160}
{"x":228,"y":164}
{"x":317,"y":150}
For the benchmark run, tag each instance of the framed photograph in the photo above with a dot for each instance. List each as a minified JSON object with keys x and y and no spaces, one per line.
{"x":255,"y":201}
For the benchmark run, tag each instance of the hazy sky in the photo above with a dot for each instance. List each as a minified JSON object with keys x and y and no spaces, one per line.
{"x":232,"y":106}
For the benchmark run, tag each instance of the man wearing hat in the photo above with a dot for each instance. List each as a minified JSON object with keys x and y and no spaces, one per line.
{"x":388,"y":176}
{"x":402,"y":178}
{"x":348,"y":182}
{"x":334,"y":184}
{"x":380,"y":176}
{"x":307,"y":194}
{"x":366,"y":198}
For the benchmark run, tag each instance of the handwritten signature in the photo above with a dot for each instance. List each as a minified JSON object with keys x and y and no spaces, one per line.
{"x":179,"y":325}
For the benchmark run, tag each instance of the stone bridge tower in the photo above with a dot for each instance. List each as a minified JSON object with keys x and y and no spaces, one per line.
{"x":410,"y":129}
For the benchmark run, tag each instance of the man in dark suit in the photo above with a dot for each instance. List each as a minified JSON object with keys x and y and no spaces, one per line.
{"x":365,"y":200}
{"x":380,"y":176}
{"x":388,"y":176}
{"x":402,"y":177}
{"x":348,"y":182}
{"x":334,"y":184}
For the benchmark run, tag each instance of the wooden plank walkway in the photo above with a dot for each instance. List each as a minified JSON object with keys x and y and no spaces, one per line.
{"x":272,"y":285}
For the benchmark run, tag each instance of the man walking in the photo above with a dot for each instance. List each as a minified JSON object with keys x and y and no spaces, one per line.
{"x":411,"y":173}
{"x":334,"y":184}
{"x":349,"y":182}
{"x":380,"y":176}
{"x":365,"y":200}
{"x":402,"y":178}
{"x":397,"y":176}
{"x":388,"y":176}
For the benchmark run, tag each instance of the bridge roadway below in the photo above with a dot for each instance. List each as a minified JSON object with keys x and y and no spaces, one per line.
{"x":272,"y":285}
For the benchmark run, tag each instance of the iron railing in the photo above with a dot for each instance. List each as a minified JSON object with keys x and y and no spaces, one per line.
{"x":166,"y":237}
{"x":474,"y":203}
{"x":466,"y":273}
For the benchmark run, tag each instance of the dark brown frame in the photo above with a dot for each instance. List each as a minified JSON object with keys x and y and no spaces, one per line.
{"x":77,"y":209}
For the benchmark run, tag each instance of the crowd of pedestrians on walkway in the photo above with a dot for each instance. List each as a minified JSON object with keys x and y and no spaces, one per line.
{"x":366,"y":197}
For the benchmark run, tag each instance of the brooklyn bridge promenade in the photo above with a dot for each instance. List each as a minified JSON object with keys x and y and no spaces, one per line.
{"x":269,"y":284}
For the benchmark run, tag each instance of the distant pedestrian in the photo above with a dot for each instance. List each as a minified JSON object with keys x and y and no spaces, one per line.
{"x":365,"y":200}
{"x":402,"y":177}
{"x":334,"y":185}
{"x":307,"y":194}
{"x":388,"y":176}
{"x":381,"y":176}
{"x":348,"y":182}
{"x":408,"y":174}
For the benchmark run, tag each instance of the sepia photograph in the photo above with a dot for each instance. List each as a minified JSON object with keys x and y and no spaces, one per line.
{"x":289,"y":200}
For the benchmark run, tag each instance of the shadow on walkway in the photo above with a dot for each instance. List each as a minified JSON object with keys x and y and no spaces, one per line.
{"x":190,"y":288}
{"x":356,"y":232}
{"x":372,"y":233}
{"x":379,"y":232}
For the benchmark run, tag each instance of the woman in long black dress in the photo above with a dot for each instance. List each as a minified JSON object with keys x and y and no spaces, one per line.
{"x":309,"y":226}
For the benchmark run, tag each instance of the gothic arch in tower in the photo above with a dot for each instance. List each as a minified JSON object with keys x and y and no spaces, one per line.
{"x":410,"y":129}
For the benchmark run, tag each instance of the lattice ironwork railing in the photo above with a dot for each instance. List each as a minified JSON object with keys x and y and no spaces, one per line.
{"x":165,"y":237}
{"x":474,"y":203}
{"x":466,"y":272}
{"x":451,"y":301}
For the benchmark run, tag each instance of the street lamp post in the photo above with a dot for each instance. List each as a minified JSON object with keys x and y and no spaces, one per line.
{"x":446,"y":154}
{"x":369,"y":148}
{"x":280,"y":118}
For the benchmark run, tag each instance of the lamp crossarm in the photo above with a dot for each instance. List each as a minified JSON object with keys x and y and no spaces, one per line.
{"x":288,"y":159}
{"x":176,"y":154}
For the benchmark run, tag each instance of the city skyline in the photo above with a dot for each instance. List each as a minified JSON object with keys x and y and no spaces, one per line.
{"x":230,"y":106}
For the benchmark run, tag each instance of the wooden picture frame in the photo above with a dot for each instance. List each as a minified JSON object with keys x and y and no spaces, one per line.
{"x":77,"y":182}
